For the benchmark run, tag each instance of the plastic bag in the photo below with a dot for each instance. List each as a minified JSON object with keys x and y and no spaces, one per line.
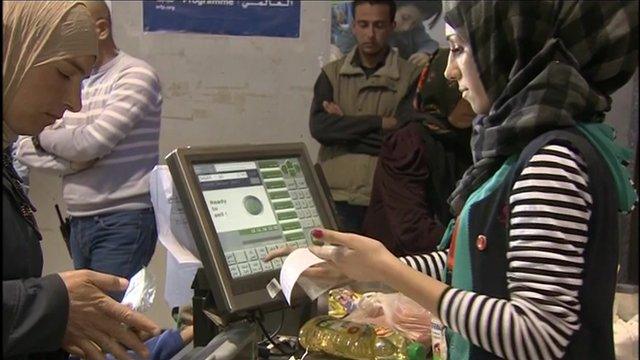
{"x":625,"y":338}
{"x":394,"y":311}
{"x":141,"y":291}
{"x":316,"y":286}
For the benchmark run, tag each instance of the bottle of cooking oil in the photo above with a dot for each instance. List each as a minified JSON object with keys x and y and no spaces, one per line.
{"x":357,"y":341}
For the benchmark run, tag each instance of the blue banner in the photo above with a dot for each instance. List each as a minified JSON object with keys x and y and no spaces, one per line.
{"x":224,"y":17}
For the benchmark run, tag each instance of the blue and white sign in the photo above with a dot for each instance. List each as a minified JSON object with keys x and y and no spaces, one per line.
{"x":224,"y":17}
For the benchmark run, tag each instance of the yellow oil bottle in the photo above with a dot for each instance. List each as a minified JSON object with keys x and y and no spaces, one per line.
{"x":356,"y":341}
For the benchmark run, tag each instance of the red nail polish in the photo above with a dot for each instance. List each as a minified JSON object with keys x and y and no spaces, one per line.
{"x":317,"y":233}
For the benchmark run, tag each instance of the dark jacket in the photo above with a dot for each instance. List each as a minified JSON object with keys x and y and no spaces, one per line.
{"x":34,"y":308}
{"x":416,"y":171}
{"x":419,"y":166}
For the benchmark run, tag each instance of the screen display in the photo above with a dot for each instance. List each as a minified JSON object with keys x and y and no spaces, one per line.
{"x":256,"y":207}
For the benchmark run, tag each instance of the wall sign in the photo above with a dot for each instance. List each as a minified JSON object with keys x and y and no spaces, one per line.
{"x":224,"y":17}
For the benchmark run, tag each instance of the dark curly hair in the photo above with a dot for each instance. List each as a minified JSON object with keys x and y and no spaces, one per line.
{"x":390,"y":3}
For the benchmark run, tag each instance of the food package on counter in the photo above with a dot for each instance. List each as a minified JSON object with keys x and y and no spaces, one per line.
{"x":342,"y":301}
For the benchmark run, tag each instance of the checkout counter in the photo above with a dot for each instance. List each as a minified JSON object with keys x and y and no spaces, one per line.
{"x":241,"y":202}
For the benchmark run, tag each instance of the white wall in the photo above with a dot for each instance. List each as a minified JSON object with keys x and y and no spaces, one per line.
{"x":231,"y":89}
{"x":225,"y":90}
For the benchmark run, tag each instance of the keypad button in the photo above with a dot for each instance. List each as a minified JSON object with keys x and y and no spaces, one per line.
{"x":255,"y":267}
{"x":267,"y":265}
{"x":245,"y":269}
{"x":251,"y":254}
{"x":231,"y":260}
{"x":277,"y":263}
{"x":235,"y":272}
{"x":271,"y":247}
{"x":240,"y":256}
{"x":262,"y":251}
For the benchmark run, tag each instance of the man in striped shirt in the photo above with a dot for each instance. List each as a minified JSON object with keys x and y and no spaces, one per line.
{"x":105,"y":153}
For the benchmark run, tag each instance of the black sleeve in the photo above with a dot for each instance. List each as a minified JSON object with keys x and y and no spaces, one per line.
{"x":34,"y":315}
{"x":330,"y":129}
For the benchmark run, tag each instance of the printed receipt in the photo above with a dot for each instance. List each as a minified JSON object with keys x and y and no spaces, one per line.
{"x":294,"y":265}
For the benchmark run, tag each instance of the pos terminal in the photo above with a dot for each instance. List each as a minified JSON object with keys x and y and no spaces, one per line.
{"x":242,"y":202}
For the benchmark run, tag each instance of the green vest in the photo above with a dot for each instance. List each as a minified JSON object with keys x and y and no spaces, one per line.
{"x":350,"y":175}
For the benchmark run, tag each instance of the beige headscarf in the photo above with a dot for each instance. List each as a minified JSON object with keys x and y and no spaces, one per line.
{"x":38,"y":32}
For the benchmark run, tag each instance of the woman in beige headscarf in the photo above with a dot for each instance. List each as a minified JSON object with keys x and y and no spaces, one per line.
{"x":48,"y":48}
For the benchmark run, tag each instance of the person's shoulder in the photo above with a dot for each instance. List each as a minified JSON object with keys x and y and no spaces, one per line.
{"x":335,"y":64}
{"x":131,"y":64}
{"x":344,"y":58}
{"x":562,"y":146}
{"x":332,"y":69}
{"x":562,"y":150}
{"x":130,"y":60}
{"x":568,"y":138}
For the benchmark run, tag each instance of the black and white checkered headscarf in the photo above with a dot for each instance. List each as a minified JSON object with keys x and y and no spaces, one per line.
{"x":544,"y":65}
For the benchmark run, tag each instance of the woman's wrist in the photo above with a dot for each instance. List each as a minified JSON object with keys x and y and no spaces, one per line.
{"x":420,"y":287}
{"x":390,"y":266}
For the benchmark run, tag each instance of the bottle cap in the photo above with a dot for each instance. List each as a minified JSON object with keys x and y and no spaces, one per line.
{"x":416,"y":351}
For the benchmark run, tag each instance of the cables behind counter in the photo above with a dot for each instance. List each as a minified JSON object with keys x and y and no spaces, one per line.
{"x":283,"y":348}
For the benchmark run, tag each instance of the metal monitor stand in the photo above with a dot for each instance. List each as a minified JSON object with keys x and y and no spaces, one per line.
{"x":203,"y":328}
{"x":215,"y":337}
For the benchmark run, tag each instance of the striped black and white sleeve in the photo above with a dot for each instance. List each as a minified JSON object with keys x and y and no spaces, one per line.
{"x":551,"y":207}
{"x":433,"y":264}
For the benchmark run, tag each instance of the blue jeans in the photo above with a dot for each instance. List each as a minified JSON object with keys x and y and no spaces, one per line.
{"x":119,"y":243}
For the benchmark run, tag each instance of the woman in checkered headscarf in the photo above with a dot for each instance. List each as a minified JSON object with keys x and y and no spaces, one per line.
{"x":527,"y":270}
{"x":543,"y":65}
